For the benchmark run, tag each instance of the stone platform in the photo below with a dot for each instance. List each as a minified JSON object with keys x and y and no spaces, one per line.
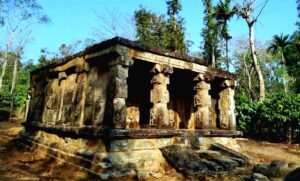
{"x":91,"y":132}
{"x":109,"y":154}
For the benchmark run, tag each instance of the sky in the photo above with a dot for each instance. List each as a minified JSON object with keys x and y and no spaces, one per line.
{"x":73,"y":20}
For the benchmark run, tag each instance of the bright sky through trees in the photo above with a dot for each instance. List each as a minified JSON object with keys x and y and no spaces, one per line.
{"x":74,"y":19}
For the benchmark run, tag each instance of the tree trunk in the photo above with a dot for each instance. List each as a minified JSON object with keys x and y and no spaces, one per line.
{"x":285,"y":82}
{"x":250,"y":88}
{"x":213,"y":58}
{"x":3,"y":69}
{"x":262,"y":90}
{"x":248,"y":73}
{"x":227,"y":58}
{"x":13,"y":85}
{"x":289,"y":133}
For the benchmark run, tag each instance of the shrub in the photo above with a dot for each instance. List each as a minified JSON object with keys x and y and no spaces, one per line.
{"x":272,"y":119}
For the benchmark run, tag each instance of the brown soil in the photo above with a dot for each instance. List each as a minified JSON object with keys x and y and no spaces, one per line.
{"x":21,"y":163}
{"x":265,"y":152}
{"x":18,"y":162}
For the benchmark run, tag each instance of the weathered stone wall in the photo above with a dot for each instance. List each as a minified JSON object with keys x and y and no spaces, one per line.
{"x":72,"y":96}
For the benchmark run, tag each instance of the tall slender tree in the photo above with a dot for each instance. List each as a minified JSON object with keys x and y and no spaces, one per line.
{"x":292,"y":57}
{"x":175,"y":27}
{"x":210,"y":35}
{"x":298,"y":8}
{"x":18,"y":18}
{"x":246,"y":10}
{"x":278,"y":46}
{"x":222,"y":14}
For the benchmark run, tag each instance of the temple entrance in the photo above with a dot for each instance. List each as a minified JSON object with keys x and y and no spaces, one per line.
{"x":138,"y":101}
{"x":215,"y":112}
{"x":181,"y":90}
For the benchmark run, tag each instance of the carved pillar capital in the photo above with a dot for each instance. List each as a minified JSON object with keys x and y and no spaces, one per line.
{"x":164,"y":69}
{"x":123,"y":58}
{"x":228,"y":83}
{"x":205,"y":76}
{"x":62,"y":76}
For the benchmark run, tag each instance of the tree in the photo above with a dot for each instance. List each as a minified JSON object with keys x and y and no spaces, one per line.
{"x":151,"y":28}
{"x":19,"y":16}
{"x":112,"y":22}
{"x":176,"y":42}
{"x":158,"y":31}
{"x":298,"y":8}
{"x":210,"y":35}
{"x":246,"y":11}
{"x":243,"y":68}
{"x":292,"y":57}
{"x":222,"y":13}
{"x":278,"y":46}
{"x":67,"y":50}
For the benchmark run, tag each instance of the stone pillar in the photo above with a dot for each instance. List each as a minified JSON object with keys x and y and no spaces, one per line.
{"x":227,"y":105}
{"x":202,"y":103}
{"x":118,"y":91}
{"x":159,"y":96}
{"x":62,"y":76}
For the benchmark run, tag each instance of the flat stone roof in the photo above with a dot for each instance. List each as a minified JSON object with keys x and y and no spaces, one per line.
{"x":138,"y":46}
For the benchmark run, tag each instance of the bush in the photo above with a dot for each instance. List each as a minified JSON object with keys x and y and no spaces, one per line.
{"x":272,"y":119}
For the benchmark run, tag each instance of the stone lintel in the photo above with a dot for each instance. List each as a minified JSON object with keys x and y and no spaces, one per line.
{"x":62,"y":76}
{"x":67,"y":65}
{"x":89,"y":132}
{"x":164,"y":60}
{"x":104,"y":52}
{"x":113,"y":55}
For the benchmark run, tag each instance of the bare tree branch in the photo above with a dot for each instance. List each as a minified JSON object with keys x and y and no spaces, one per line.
{"x":255,"y":19}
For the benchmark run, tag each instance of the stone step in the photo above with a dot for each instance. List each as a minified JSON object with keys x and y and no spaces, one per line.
{"x":226,"y":162}
{"x":209,"y":152}
{"x":227,"y":151}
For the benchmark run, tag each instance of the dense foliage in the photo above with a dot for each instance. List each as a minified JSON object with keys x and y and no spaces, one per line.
{"x":18,"y":97}
{"x":292,"y":56}
{"x":210,"y":31}
{"x":275,"y":119}
{"x":162,"y":31}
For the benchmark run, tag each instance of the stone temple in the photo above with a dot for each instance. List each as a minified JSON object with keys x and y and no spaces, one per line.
{"x":117,"y":103}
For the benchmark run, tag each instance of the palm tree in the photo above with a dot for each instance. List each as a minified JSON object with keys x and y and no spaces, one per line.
{"x":278,"y":46}
{"x":222,"y":13}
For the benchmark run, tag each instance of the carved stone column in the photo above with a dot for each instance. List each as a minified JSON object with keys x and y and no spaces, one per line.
{"x":118,"y":90}
{"x":202,"y":103}
{"x":227,"y":105}
{"x":159,"y":96}
{"x":62,"y":76}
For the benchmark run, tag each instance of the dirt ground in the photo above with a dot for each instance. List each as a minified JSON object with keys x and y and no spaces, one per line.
{"x":22,"y":164}
{"x":11,"y":168}
{"x":265,"y":152}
